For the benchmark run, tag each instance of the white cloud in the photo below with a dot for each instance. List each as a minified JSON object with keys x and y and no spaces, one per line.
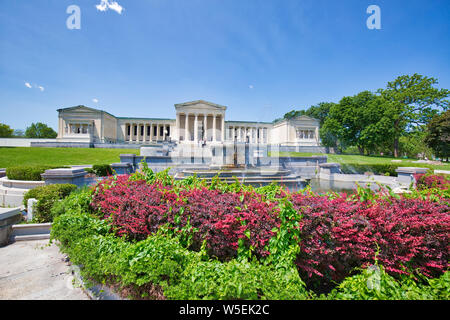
{"x":41,"y":88}
{"x":251,"y":86}
{"x":27,"y":84}
{"x":106,"y":4}
{"x":95,"y":100}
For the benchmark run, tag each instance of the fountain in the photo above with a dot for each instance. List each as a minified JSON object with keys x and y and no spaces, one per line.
{"x":248,"y":163}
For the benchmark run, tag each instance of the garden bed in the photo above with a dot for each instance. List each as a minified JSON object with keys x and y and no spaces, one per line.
{"x":152,"y":237}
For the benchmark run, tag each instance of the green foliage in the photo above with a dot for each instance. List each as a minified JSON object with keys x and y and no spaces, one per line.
{"x":412,"y":145}
{"x":411,"y":101}
{"x":27,"y":173}
{"x":379,"y":169}
{"x":47,"y":196}
{"x":438,"y":135}
{"x":237,"y":279}
{"x":76,"y":202}
{"x":100,"y":170}
{"x":40,"y":130}
{"x":373,"y":283}
{"x":5,"y":131}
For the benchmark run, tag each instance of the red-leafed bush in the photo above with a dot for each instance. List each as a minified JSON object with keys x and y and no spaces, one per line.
{"x":224,"y":218}
{"x":338,"y":235}
{"x":429,"y":181}
{"x":138,"y":209}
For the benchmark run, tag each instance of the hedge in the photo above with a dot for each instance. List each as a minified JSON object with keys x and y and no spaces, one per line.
{"x":379,"y":168}
{"x":100,"y":170}
{"x":27,"y":173}
{"x":47,"y":196}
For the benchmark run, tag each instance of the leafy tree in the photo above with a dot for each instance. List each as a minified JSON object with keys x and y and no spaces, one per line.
{"x":356,"y":121}
{"x":412,"y":101}
{"x":438,"y":135}
{"x":5,"y":131}
{"x":40,"y":130}
{"x":412,"y":144}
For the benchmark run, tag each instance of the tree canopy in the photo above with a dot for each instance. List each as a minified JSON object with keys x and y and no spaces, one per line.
{"x":5,"y":131}
{"x":40,"y":130}
{"x":438,"y":135}
{"x":390,"y":120}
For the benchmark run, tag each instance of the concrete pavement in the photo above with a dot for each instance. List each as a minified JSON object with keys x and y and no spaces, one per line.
{"x":33,"y":270}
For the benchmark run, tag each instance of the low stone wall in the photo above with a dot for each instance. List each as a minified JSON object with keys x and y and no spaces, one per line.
{"x":8,"y":217}
{"x":22,"y":142}
{"x":306,"y":149}
{"x":58,"y":144}
{"x":12,"y":191}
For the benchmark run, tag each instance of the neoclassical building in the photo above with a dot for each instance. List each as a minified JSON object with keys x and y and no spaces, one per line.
{"x":195,"y":122}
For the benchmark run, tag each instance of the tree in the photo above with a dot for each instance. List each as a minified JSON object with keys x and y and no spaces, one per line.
{"x":5,"y":131}
{"x":356,"y":121}
{"x":40,"y":130}
{"x":412,"y":101}
{"x":438,"y":135}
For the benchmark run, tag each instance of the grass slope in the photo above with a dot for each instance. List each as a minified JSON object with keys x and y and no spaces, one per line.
{"x":59,"y":156}
{"x":357,"y":159}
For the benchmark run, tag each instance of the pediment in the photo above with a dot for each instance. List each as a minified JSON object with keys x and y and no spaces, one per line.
{"x":200,"y":105}
{"x":81,"y":109}
{"x":304,"y":118}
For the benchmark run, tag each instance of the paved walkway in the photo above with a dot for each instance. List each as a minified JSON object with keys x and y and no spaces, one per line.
{"x":32,"y":270}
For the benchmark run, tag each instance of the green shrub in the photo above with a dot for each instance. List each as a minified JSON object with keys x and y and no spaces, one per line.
{"x":47,"y":195}
{"x":77,"y":202}
{"x":27,"y":173}
{"x":374,"y":283}
{"x":100,"y":170}
{"x":378,"y":168}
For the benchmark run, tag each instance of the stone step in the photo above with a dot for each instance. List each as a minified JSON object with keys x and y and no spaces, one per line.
{"x":31,"y":229}
{"x":30,"y":237}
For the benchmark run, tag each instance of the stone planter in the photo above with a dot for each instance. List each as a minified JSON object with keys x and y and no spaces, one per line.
{"x":406,"y":174}
{"x":8,"y":217}
{"x":12,"y":191}
{"x":74,"y":176}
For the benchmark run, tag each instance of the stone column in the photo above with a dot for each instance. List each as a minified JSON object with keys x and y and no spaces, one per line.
{"x":223,"y":128}
{"x":214,"y":128}
{"x":196,"y":128}
{"x":151,"y":131}
{"x":205,"y":127}
{"x":186,"y":127}
{"x":176,"y":134}
{"x":164,"y":132}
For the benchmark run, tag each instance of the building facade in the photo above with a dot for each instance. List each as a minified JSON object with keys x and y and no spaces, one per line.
{"x":195,"y":122}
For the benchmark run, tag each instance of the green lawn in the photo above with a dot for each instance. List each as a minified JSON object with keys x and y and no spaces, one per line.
{"x":59,"y":156}
{"x":72,"y":156}
{"x":357,"y":159}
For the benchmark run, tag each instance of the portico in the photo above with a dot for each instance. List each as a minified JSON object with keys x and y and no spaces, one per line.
{"x":200,"y":121}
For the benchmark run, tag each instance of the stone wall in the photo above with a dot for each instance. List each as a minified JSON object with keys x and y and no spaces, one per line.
{"x":22,"y":142}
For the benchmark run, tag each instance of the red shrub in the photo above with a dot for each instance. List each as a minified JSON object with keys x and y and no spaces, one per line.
{"x":138,"y":209}
{"x":338,"y":235}
{"x":429,"y":181}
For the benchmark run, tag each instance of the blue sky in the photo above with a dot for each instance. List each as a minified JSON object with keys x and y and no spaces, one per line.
{"x":261,"y":58}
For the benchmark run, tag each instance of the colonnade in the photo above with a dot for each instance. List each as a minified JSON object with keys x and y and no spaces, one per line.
{"x":141,"y":132}
{"x":250,"y":134}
